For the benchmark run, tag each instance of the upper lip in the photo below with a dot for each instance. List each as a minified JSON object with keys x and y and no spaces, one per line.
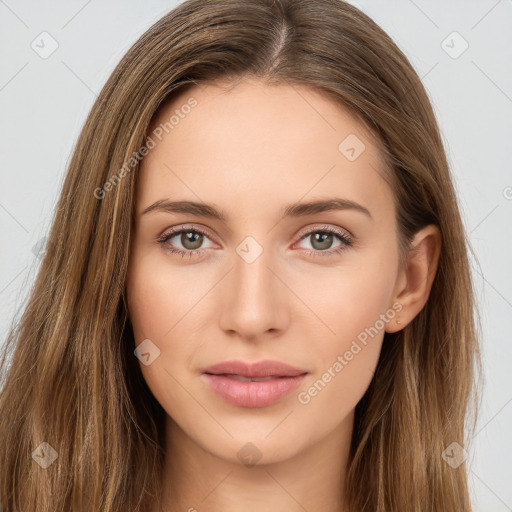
{"x":266,"y":368}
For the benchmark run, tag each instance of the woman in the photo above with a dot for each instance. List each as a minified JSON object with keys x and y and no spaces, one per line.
{"x":256,"y":290}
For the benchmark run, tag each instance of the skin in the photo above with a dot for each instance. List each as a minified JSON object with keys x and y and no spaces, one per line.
{"x":251,"y":150}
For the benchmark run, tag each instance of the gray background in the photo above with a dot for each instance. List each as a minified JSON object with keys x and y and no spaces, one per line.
{"x":44,"y":101}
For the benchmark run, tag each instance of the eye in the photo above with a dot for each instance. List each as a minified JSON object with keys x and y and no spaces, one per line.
{"x":190,"y":239}
{"x":323,"y":240}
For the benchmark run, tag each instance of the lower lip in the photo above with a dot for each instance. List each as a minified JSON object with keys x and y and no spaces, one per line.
{"x":253,"y":393}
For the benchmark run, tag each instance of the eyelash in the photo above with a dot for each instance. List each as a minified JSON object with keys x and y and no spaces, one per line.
{"x":345,"y":240}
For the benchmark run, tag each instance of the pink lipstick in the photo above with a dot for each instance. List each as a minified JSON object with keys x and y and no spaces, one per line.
{"x":258,"y":384}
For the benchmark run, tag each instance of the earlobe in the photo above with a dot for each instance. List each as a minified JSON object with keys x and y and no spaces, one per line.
{"x":418,"y":277}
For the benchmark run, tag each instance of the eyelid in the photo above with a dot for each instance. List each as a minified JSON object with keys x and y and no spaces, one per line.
{"x":186,"y":227}
{"x":344,"y":233}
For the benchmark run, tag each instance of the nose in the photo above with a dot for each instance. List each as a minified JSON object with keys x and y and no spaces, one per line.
{"x":253,"y":300}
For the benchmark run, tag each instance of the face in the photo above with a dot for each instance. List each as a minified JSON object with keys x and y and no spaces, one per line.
{"x":253,"y":274}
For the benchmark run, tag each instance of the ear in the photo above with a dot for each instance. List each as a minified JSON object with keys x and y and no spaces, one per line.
{"x":414,"y":282}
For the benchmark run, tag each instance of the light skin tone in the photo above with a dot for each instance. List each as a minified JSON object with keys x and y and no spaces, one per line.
{"x":251,"y":151}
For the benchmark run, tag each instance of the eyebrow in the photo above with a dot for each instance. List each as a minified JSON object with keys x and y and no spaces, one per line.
{"x":293,"y":210}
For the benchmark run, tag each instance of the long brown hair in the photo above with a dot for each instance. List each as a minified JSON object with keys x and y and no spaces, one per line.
{"x":73,"y":381}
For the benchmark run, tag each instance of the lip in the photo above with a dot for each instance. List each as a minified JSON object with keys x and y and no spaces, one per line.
{"x":263,"y":368}
{"x":281,"y":379}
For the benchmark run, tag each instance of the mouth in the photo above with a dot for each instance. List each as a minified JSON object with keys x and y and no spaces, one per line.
{"x":253,"y":385}
{"x":243,"y":378}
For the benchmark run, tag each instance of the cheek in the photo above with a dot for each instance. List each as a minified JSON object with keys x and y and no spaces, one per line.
{"x":354,"y":308}
{"x":153,"y":311}
{"x":161,"y":304}
{"x":351,"y":298}
{"x":158,"y":311}
{"x":157,"y":299}
{"x":346,"y":363}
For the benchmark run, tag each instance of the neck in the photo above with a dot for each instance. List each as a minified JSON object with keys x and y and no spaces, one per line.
{"x":195,"y":480}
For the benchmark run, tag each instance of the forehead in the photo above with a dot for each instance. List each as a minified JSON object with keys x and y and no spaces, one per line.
{"x":252,"y":144}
